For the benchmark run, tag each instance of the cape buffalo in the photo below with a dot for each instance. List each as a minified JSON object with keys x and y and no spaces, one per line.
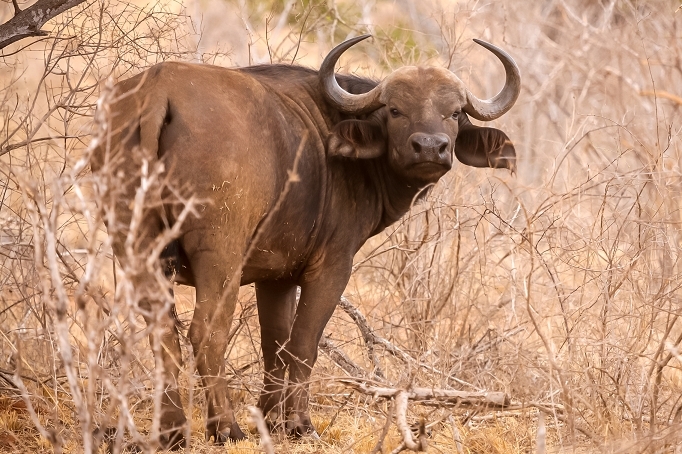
{"x":300,"y":167}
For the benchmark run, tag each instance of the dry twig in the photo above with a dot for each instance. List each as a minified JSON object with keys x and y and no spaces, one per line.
{"x":265,"y":439}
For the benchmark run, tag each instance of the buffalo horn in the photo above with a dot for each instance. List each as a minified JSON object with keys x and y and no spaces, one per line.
{"x":490,"y":109}
{"x":340,"y":98}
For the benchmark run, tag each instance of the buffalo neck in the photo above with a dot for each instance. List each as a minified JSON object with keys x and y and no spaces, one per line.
{"x":396,"y":194}
{"x":374,"y":193}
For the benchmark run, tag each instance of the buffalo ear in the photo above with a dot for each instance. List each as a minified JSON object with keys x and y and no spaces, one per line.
{"x":360,"y":139}
{"x":477,"y":146}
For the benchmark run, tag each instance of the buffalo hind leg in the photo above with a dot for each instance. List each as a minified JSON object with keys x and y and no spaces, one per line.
{"x":163,"y":338}
{"x":173,"y":420}
{"x":276,"y":307}
{"x":217,"y":288}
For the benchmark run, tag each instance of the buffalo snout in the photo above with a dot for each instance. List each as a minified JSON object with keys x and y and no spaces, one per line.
{"x":430,"y":144}
{"x":427,"y":157}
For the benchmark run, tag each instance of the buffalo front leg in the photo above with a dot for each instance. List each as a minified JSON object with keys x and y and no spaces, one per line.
{"x":319,"y":297}
{"x":276,"y":307}
{"x":217,"y":287}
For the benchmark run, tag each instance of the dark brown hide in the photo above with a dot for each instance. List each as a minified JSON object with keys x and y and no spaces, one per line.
{"x":233,"y":136}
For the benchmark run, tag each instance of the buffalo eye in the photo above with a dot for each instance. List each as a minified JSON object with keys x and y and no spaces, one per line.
{"x":395,"y":113}
{"x":455,"y":115}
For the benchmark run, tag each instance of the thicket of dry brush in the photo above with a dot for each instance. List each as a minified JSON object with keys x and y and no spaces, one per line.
{"x":558,"y":287}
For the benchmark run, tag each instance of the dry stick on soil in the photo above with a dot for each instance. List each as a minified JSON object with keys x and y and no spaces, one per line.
{"x":494,"y":399}
{"x":427,"y":396}
{"x":401,"y":400}
{"x":456,"y":435}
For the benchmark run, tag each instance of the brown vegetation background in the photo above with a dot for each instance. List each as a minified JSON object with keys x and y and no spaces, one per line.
{"x":559,"y":286}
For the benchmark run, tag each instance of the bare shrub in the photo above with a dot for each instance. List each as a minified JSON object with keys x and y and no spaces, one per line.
{"x":70,"y":334}
{"x":557,"y":287}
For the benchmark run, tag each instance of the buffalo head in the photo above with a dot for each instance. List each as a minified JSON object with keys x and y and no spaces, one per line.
{"x":418,"y":116}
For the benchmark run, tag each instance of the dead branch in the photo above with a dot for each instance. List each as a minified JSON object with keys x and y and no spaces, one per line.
{"x":28,"y":23}
{"x":457,"y":437}
{"x":401,"y":400}
{"x":441,"y":397}
{"x":341,"y":358}
{"x":371,"y":339}
{"x":7,"y":379}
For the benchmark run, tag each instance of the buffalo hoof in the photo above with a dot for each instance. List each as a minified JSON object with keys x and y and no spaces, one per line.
{"x":108,"y":436}
{"x":220,"y":437}
{"x":275,"y":427}
{"x":274,"y":423}
{"x":301,"y":428}
{"x":173,"y":424}
{"x":173,"y":439}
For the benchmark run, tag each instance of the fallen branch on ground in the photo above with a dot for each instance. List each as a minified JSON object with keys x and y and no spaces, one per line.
{"x":433,"y":396}
{"x":425,"y":396}
{"x":372,"y":339}
{"x":401,"y":401}
{"x":401,"y":397}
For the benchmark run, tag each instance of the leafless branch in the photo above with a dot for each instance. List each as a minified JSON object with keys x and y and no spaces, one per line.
{"x":29,"y":22}
{"x":493,"y":399}
{"x":341,"y":358}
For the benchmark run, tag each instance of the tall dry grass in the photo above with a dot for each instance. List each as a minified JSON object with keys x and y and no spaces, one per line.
{"x":558,"y":286}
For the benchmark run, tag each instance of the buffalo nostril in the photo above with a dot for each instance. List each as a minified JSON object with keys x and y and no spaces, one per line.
{"x":416,"y":146}
{"x":432,"y":144}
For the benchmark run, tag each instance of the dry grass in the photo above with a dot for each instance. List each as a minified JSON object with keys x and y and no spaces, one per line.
{"x":559,"y":286}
